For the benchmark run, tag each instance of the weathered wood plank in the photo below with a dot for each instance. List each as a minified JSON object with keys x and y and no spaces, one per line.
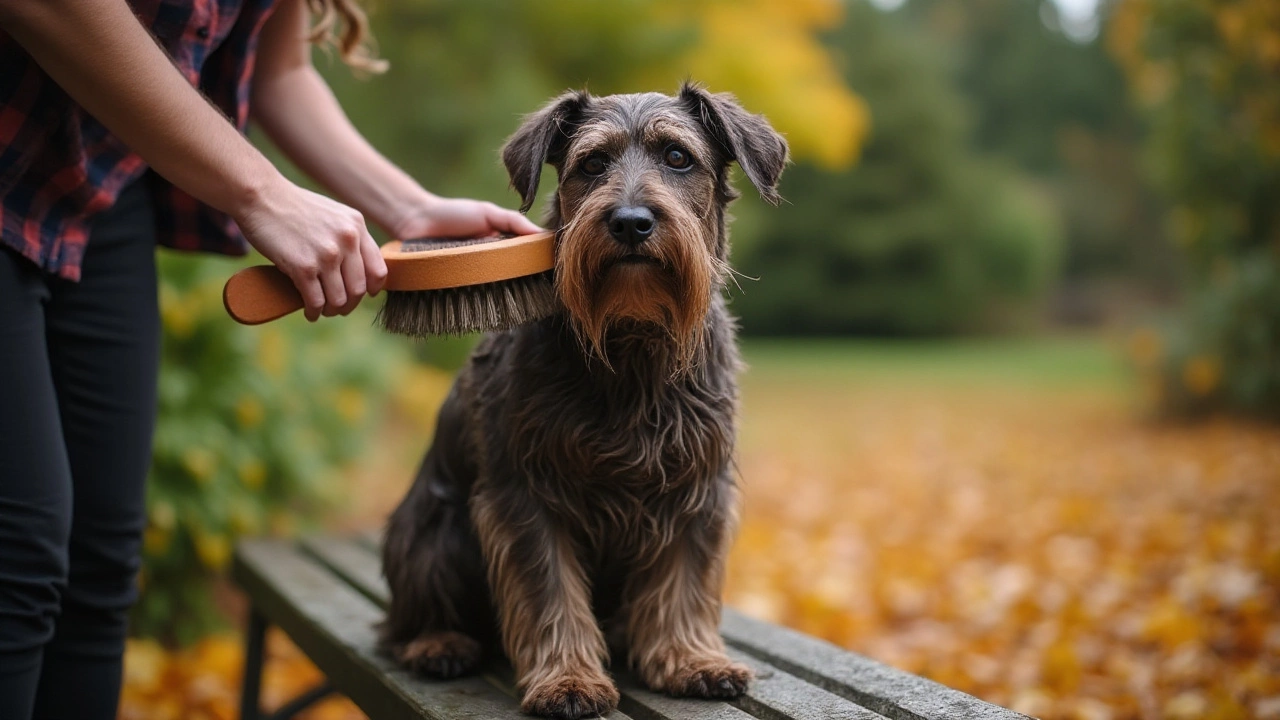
{"x":879,"y":688}
{"x":643,"y":704}
{"x":352,"y":561}
{"x":892,"y":693}
{"x":778,"y":695}
{"x":333,"y":625}
{"x":355,"y":561}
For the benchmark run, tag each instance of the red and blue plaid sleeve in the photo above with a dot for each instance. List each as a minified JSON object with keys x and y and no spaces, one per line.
{"x":59,"y":166}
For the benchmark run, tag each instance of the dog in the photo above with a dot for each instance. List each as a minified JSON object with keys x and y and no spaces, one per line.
{"x":579,"y":494}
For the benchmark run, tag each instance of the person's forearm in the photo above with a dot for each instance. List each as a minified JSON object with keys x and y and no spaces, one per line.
{"x":299,"y":113}
{"x":108,"y":62}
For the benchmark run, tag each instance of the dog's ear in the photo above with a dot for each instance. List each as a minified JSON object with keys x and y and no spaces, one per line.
{"x":744,"y":137}
{"x":542,"y":138}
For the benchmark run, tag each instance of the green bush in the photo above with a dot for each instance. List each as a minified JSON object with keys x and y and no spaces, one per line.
{"x":921,"y":237}
{"x":1214,"y":105}
{"x":254,"y":426}
{"x":1223,"y":350}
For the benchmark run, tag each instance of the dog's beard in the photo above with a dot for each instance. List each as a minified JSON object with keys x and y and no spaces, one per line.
{"x":666,"y":283}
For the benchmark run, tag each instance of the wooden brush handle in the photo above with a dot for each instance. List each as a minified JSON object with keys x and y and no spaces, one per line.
{"x":260,"y":294}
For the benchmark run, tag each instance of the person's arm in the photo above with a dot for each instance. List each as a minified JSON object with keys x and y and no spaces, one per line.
{"x":298,"y":111}
{"x":106,"y":61}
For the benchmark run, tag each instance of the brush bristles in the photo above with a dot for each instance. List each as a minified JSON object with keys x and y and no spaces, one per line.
{"x":478,"y":308}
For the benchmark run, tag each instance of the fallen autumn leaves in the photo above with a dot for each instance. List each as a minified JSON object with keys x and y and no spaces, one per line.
{"x":1033,"y":543}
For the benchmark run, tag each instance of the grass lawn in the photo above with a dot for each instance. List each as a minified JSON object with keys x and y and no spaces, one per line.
{"x":1048,"y":361}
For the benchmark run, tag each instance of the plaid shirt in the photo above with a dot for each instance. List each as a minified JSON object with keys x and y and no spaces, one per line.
{"x":59,"y":166}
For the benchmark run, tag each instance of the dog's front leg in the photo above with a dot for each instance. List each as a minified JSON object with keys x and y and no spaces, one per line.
{"x":673,"y":620}
{"x":544,"y":604}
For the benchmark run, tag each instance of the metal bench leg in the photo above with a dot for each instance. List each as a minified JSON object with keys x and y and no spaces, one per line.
{"x":254,"y":651}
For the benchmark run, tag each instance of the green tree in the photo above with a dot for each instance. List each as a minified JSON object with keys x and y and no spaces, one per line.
{"x":255,"y":425}
{"x":1205,"y":71}
{"x":464,"y":72}
{"x":923,"y":236}
{"x":1057,"y":106}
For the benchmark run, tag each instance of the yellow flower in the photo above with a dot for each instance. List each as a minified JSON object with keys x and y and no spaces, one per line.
{"x":1201,"y":374}
{"x":144,"y":664}
{"x":162,"y":515}
{"x":350,"y":405}
{"x":273,"y":353}
{"x":242,"y":520}
{"x":249,"y":412}
{"x":214,"y":550}
{"x":253,"y":473}
{"x":199,"y":463}
{"x":178,"y":318}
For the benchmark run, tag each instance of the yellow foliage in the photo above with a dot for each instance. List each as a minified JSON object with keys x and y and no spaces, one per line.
{"x":213,"y":549}
{"x":420,"y":390}
{"x":252,"y":473}
{"x":1201,"y":375}
{"x":1146,"y":347}
{"x":155,"y":540}
{"x":162,"y":515}
{"x":273,"y":352}
{"x":177,"y":313}
{"x":249,"y":412}
{"x":1041,"y":549}
{"x":350,"y":404}
{"x":204,"y":681}
{"x":199,"y":463}
{"x":1246,"y":45}
{"x":766,"y":52}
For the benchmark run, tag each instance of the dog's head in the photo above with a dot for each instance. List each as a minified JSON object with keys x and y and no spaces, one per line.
{"x":639,"y":209}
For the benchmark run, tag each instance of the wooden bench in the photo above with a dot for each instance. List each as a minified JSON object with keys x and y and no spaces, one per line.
{"x":327,"y":593}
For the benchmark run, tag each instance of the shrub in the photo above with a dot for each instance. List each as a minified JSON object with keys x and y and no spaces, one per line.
{"x":1201,"y":72}
{"x":1223,"y":350}
{"x":922,"y":237}
{"x":255,"y":425}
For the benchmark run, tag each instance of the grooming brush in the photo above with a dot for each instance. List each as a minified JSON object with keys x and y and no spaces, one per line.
{"x":435,"y":286}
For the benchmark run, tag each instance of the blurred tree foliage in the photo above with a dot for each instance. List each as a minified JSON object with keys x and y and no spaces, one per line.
{"x":1206,"y":72}
{"x":956,"y":251}
{"x":254,"y":426}
{"x":463,"y":73}
{"x":924,"y":236}
{"x":1057,"y":106}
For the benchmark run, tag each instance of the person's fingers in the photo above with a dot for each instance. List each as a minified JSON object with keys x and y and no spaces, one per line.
{"x":335,"y":291}
{"x":353,"y":278}
{"x":312,"y":296}
{"x":375,"y":267}
{"x":504,"y":220}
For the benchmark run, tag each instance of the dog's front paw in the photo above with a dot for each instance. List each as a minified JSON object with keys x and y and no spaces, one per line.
{"x":571,"y":697}
{"x":722,"y":679}
{"x":441,"y":655}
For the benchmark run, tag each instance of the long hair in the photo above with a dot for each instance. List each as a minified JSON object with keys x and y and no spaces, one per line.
{"x":342,"y":24}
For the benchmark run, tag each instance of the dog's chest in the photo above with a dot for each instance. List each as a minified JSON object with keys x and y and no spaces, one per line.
{"x":666,"y":435}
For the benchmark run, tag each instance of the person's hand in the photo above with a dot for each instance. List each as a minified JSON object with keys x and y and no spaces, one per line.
{"x":322,"y":245}
{"x":458,"y":218}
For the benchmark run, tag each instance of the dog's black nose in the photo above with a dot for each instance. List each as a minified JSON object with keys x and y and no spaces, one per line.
{"x":631,"y":225}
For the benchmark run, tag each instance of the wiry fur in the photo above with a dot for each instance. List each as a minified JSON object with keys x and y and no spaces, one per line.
{"x":581,"y":478}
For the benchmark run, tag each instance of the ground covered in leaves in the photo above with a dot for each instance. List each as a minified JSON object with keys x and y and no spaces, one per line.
{"x":1000,"y":517}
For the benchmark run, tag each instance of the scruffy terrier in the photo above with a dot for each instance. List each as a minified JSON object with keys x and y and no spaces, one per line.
{"x":580,"y":484}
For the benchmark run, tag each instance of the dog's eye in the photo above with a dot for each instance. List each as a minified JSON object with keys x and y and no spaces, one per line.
{"x":677,"y":158}
{"x":593,"y":165}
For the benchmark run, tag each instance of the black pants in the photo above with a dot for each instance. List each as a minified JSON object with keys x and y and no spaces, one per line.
{"x":78,"y":366}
